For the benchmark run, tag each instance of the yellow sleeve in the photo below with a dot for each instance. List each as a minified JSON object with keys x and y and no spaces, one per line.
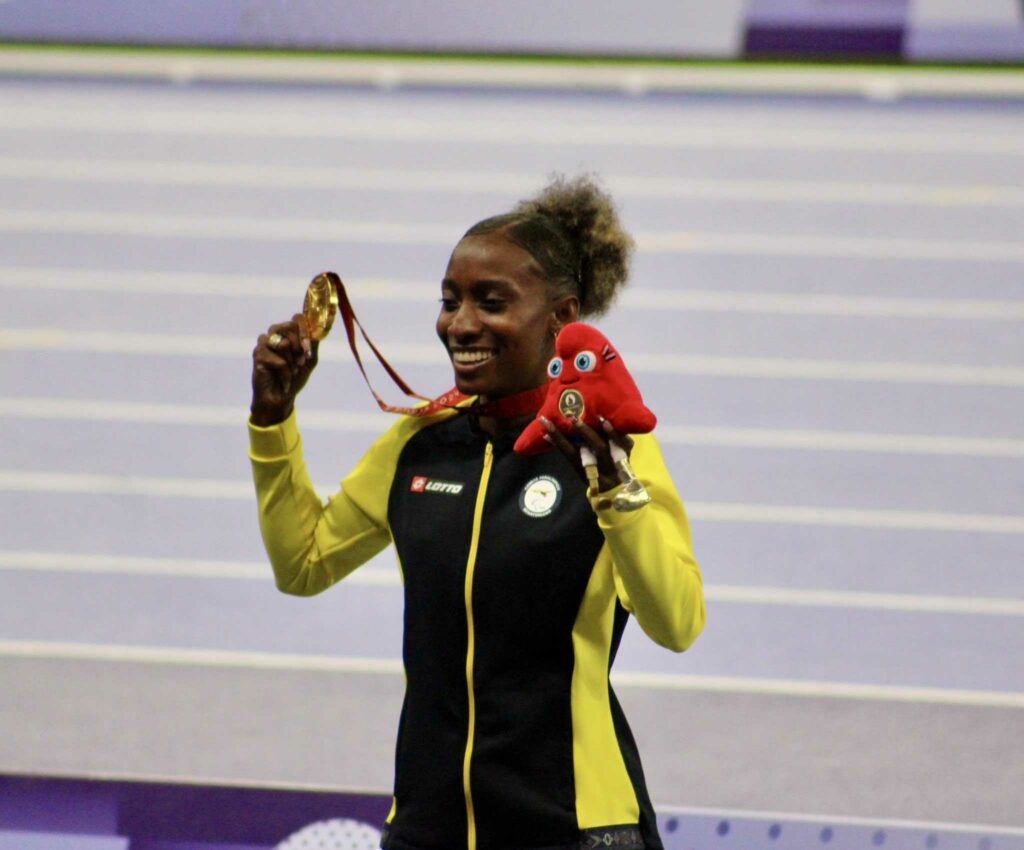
{"x":312,"y":545}
{"x":656,"y":575}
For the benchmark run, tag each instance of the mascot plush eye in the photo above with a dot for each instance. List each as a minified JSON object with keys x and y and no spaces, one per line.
{"x":555,"y":367}
{"x":585,"y":361}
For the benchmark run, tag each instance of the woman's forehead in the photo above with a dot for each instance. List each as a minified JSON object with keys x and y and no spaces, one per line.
{"x":491,"y":256}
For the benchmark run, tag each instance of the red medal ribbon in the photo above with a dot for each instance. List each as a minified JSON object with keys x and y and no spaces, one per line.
{"x":510,"y":407}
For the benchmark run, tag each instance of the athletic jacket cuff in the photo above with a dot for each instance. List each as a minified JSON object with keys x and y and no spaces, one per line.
{"x":607,"y":517}
{"x":274,"y":442}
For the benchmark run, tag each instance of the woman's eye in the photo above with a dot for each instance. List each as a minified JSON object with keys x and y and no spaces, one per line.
{"x":555,"y":367}
{"x":448,"y":305}
{"x":585,"y":361}
{"x":492,"y":305}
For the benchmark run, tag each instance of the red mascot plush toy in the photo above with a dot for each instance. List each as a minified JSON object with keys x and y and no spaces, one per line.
{"x":588,"y":379}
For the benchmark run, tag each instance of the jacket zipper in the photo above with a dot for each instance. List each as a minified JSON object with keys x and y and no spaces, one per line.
{"x":474,"y":542}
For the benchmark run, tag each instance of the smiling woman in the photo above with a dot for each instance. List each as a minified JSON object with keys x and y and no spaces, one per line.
{"x":515,"y":280}
{"x":517,"y":586}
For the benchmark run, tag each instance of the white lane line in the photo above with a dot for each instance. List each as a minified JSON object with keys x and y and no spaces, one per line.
{"x":197,"y":657}
{"x":135,"y":565}
{"x":372,"y":423}
{"x":906,"y":602}
{"x":65,"y":562}
{"x":127,"y":485}
{"x":855,"y":518}
{"x":183,"y":414}
{"x":809,"y":688}
{"x":405,"y":354}
{"x":60,"y":278}
{"x":386,"y":666}
{"x":587,"y":75}
{"x":849,"y":247}
{"x":388,"y":290}
{"x":89,"y":410}
{"x":445,"y":235}
{"x":734,"y":512}
{"x":176,"y":173}
{"x":69,"y":117}
{"x":840,"y":441}
{"x":684,"y":363}
{"x":218,"y":227}
{"x":813,"y":304}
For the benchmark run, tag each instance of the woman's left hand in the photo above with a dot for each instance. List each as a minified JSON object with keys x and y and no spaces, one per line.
{"x":598,"y":443}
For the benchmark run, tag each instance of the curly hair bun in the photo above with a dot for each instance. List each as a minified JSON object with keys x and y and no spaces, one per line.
{"x":586,"y":214}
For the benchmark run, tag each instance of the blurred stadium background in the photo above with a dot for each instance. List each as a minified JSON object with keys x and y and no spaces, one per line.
{"x":826,"y":312}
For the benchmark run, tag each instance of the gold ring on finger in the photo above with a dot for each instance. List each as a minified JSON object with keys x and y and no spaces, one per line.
{"x":274,"y":341}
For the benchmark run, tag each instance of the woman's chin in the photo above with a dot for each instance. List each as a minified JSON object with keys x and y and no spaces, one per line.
{"x":474,"y":382}
{"x":470,"y":386}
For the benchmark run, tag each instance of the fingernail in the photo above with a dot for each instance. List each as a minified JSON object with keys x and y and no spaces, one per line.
{"x":606,"y":425}
{"x":547,"y":437}
{"x":546,"y":423}
{"x":307,"y":347}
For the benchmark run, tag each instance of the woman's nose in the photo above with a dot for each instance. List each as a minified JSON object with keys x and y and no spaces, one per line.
{"x":465,"y":322}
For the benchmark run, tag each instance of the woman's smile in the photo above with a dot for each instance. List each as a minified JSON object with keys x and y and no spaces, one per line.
{"x":471,"y":357}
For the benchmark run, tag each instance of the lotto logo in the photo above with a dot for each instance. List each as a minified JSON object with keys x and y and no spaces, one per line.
{"x":422,"y":484}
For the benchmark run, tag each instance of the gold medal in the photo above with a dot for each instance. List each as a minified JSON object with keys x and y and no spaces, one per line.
{"x":320,"y":306}
{"x":570,"y":404}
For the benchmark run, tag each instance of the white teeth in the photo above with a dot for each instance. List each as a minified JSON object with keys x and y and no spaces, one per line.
{"x":467,"y":357}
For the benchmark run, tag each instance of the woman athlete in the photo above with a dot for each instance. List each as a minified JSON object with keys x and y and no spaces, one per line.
{"x":517,"y":587}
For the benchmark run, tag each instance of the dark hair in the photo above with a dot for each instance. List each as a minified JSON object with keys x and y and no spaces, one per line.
{"x":572,"y":230}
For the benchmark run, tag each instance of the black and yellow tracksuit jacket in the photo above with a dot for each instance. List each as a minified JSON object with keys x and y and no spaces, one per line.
{"x":516,"y":596}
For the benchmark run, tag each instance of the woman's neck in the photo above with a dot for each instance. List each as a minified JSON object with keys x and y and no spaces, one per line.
{"x":499,"y":415}
{"x":493,"y":425}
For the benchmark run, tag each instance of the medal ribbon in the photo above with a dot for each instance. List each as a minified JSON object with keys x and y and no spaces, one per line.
{"x":509,"y":407}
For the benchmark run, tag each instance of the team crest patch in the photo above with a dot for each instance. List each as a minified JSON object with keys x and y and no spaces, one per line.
{"x":540,"y":496}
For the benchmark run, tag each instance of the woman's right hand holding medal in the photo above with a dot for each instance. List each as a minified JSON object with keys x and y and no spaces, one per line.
{"x":282,"y":361}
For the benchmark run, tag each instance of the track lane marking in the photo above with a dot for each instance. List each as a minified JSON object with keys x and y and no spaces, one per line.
{"x":66,"y":562}
{"x":317,"y":230}
{"x":258,"y":175}
{"x":95,"y":410}
{"x":35,"y":278}
{"x":389,"y":72}
{"x":67,"y":116}
{"x":192,"y":657}
{"x":732,"y":512}
{"x":681,"y":363}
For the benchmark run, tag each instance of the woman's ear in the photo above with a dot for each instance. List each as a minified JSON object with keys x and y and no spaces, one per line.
{"x":566,"y":311}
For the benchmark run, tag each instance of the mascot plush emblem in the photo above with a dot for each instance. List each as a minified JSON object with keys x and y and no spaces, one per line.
{"x":589,"y":380}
